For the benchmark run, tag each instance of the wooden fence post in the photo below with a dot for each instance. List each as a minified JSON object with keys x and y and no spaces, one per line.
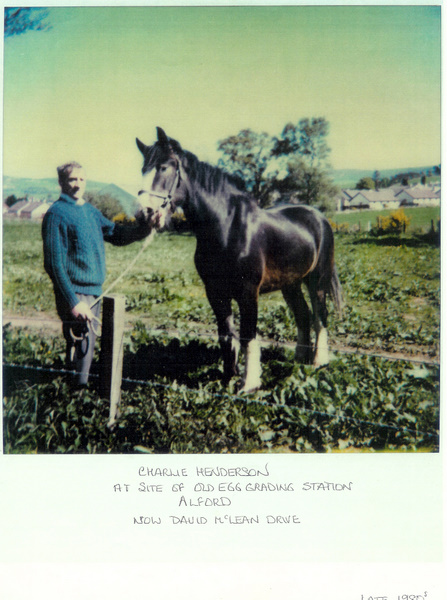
{"x":111,"y":356}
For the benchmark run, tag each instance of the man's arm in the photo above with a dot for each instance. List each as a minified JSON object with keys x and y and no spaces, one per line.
{"x":55,"y":250}
{"x":122,"y":235}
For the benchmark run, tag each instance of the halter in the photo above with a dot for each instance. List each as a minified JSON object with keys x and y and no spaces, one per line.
{"x":167,"y":198}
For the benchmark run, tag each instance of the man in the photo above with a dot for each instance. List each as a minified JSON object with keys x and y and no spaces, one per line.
{"x":73,"y":233}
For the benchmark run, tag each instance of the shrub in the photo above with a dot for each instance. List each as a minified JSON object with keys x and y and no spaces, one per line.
{"x":339,"y":227}
{"x":397,"y":222}
{"x":124,"y":219}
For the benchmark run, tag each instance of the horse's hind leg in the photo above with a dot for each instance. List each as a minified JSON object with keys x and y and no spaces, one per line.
{"x":318,"y":298}
{"x":293,"y":295}
{"x":248,"y":309}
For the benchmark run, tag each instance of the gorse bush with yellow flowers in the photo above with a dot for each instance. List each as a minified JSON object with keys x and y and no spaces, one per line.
{"x":396,"y":222}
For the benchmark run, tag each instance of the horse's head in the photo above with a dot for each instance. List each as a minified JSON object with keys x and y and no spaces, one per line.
{"x":161,"y":179}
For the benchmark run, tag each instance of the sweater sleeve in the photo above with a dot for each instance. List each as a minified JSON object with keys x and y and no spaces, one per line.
{"x":122,"y":235}
{"x":55,"y":249}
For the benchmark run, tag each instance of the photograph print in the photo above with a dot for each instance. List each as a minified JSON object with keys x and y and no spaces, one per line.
{"x":221,"y":229}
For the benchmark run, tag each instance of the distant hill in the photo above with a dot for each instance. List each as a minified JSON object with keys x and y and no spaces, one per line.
{"x":48,"y":189}
{"x":348,"y":178}
{"x":127,"y":201}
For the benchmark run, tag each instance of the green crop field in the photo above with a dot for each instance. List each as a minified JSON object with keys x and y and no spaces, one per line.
{"x":380,"y":391}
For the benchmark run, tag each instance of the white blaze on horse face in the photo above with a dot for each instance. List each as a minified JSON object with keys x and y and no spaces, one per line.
{"x":144,"y":197}
{"x":152,"y":202}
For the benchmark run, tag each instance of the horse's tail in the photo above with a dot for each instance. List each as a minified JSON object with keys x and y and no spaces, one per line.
{"x":335,"y":291}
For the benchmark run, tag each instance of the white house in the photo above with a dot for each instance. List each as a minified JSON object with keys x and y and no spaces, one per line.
{"x":34,"y":210}
{"x":419,"y":196}
{"x":345,"y":200}
{"x":16,"y":209}
{"x":376,"y":199}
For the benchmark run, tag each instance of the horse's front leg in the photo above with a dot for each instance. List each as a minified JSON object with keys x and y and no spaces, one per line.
{"x":228,"y":341}
{"x":248,"y":309}
{"x":230,"y":347}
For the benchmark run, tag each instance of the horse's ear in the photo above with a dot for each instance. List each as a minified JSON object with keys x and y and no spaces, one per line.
{"x":162,"y":137}
{"x":142,"y":147}
{"x":175,"y":147}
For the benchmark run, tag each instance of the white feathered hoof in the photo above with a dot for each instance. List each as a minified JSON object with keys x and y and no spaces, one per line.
{"x":321,"y":357}
{"x":253,"y":370}
{"x":320,"y":362}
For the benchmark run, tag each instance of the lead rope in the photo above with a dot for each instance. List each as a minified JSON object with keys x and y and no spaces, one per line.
{"x":146,"y":243}
{"x":81,"y":338}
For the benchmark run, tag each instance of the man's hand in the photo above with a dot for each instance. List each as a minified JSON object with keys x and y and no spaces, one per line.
{"x":144,"y":220}
{"x":82,"y":312}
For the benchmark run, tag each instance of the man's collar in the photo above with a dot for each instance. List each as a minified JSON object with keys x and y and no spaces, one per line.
{"x":71,"y":200}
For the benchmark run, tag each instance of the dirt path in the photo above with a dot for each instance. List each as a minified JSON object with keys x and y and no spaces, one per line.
{"x":51,"y":325}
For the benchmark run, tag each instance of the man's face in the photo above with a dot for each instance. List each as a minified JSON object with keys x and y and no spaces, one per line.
{"x":74,"y":184}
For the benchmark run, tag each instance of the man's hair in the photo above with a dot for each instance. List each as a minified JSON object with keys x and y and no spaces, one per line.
{"x":64,"y":171}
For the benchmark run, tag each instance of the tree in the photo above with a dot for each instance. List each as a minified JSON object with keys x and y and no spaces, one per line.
{"x":11,"y":200}
{"x":259,"y":158}
{"x":248,"y":156}
{"x":108,"y":205}
{"x":366,"y":183}
{"x":308,"y":185}
{"x":376,"y":179}
{"x":308,"y":139}
{"x":21,"y":20}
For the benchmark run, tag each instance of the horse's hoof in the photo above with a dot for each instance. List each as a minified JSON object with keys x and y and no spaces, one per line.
{"x":249,"y":389}
{"x":320,"y":361}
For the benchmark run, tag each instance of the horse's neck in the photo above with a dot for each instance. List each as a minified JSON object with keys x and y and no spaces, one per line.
{"x":205,"y":209}
{"x":211,"y":197}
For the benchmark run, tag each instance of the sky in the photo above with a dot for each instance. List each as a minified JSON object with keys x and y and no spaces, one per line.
{"x":103,"y":76}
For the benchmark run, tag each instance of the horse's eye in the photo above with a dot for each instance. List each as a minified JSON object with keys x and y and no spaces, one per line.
{"x":141,"y":192}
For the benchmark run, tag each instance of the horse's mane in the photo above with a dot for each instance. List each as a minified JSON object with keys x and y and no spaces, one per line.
{"x":214,"y":179}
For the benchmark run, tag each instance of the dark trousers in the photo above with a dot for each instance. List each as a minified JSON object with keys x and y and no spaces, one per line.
{"x":80,"y":338}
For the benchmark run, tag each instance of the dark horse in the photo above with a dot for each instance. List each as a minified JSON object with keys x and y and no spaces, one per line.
{"x":243,"y":251}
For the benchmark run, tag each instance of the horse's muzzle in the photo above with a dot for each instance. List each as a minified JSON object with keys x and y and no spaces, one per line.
{"x":156,"y":218}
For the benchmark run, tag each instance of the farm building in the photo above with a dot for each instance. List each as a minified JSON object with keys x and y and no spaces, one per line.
{"x":345,"y":200}
{"x":16,"y":209}
{"x":28,"y":209}
{"x":389,"y":198}
{"x":34,"y":210}
{"x":419,"y":196}
{"x":376,"y":199}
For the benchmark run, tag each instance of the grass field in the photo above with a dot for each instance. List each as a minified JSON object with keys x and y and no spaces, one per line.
{"x":172,"y":397}
{"x":420,"y":218}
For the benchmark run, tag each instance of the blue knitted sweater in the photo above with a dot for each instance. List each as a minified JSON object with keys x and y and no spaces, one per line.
{"x":73,"y":243}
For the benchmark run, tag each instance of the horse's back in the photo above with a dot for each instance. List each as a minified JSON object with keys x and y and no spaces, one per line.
{"x":301,"y":214}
